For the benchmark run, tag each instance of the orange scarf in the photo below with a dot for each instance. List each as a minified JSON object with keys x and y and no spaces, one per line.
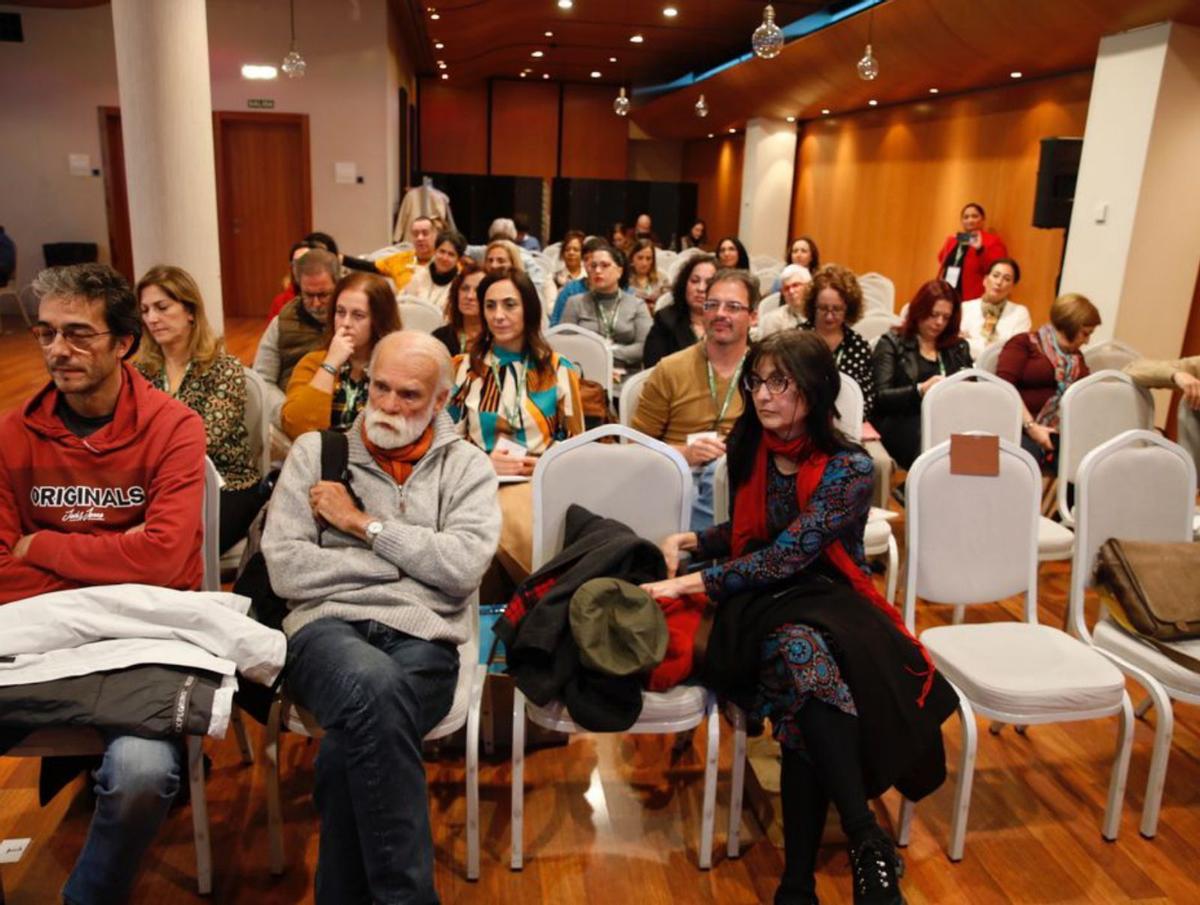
{"x":399,"y":462}
{"x":750,"y":524}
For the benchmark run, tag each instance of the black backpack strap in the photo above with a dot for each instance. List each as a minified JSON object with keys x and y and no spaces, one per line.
{"x":335,"y":461}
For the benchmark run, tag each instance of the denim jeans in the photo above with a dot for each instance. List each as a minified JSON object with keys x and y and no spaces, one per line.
{"x":376,"y":692}
{"x":135,"y":783}
{"x":702,"y":496}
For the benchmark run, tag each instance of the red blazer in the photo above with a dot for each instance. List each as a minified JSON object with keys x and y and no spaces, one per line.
{"x":975,"y":264}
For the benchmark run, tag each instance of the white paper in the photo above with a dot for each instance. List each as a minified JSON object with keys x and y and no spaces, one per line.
{"x":345,"y":172}
{"x":79,"y":164}
{"x":702,"y":435}
{"x":11,"y":850}
{"x":511,"y":447}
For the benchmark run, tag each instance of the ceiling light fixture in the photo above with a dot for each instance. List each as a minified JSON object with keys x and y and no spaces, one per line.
{"x":824,"y":111}
{"x":933,"y":91}
{"x":767,"y":39}
{"x":545,"y":75}
{"x":523,"y":74}
{"x":445,"y":75}
{"x":701,"y":107}
{"x":439,"y":46}
{"x":868,"y":66}
{"x":670,"y":12}
{"x":259,"y":71}
{"x":636,"y":39}
{"x":791,"y":119}
{"x":710,"y":135}
{"x":595,"y":73}
{"x":549,"y":34}
{"x":612,"y":59}
{"x":621,"y":103}
{"x":538,"y":54}
{"x":434,"y":16}
{"x":293,"y":64}
{"x":565,"y":4}
{"x":1015,"y":75}
{"x":873,"y":103}
{"x":732,"y":131}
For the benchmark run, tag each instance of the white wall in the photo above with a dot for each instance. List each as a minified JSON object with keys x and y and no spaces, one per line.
{"x":1141,"y":143}
{"x":768,"y":169}
{"x":66,"y":68}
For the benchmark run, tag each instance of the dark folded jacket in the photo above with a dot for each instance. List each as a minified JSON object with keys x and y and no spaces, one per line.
{"x":541,"y":653}
{"x":158,"y":702}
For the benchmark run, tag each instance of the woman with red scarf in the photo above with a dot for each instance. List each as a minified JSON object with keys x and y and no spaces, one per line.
{"x":799,"y":633}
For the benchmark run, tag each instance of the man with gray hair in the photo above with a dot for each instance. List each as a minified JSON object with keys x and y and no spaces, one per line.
{"x":299,"y":327}
{"x":377,"y":572}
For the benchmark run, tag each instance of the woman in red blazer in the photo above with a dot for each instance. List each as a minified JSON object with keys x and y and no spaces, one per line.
{"x":967,"y":256}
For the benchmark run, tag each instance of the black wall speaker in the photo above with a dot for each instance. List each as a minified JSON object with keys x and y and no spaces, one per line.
{"x":1058,"y":168}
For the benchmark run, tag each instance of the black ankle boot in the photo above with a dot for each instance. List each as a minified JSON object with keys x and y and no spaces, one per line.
{"x":873,"y":864}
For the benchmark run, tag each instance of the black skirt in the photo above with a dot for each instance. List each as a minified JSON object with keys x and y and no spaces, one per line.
{"x":901,"y":738}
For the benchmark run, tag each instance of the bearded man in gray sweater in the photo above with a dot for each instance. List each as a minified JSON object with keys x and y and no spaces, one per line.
{"x":378,"y":605}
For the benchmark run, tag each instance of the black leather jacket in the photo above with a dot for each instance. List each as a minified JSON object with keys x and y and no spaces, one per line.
{"x":896,"y":360}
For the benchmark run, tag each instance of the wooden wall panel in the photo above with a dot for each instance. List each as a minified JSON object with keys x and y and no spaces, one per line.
{"x":716,"y":165}
{"x":524,"y":129}
{"x":453,"y":127}
{"x":594,"y":139}
{"x":880,"y":190}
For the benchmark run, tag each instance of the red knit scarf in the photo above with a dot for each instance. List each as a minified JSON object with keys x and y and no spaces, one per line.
{"x":399,"y":462}
{"x":750,"y":525}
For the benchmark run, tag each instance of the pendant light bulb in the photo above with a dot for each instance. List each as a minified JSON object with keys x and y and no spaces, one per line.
{"x":293,"y":64}
{"x":767,"y":39}
{"x":701,"y":107}
{"x":621,"y":103}
{"x":868,"y":66}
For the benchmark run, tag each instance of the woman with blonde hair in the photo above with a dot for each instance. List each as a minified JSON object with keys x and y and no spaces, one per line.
{"x":182,"y":356}
{"x":502,"y":258}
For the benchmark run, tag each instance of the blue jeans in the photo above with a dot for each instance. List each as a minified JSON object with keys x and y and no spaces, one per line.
{"x":135,"y":783}
{"x":702,"y":496}
{"x":376,"y":692}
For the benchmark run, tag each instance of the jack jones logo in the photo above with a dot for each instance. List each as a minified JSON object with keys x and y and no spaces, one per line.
{"x":80,"y":495}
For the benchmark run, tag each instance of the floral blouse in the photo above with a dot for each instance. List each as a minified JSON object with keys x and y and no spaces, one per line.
{"x":836,"y":511}
{"x":510,"y":399}
{"x":217,"y":394}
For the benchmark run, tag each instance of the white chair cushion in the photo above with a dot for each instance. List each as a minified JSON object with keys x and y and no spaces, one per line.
{"x":875,"y":538}
{"x":1111,"y":637}
{"x":1055,"y":541}
{"x":1018,"y":668}
{"x":683,"y":702}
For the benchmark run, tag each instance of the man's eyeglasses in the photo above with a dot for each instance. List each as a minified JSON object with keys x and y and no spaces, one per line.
{"x":316,"y":296}
{"x":76,"y":337}
{"x":775,"y":384}
{"x":731,"y":307}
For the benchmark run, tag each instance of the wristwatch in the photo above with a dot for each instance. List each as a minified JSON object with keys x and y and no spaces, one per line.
{"x":326,"y":366}
{"x":1028,"y":424}
{"x":373,"y":530}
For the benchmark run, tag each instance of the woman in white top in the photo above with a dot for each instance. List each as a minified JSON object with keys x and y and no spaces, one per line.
{"x":793,"y":287}
{"x":993,"y":318}
{"x":432,"y":283}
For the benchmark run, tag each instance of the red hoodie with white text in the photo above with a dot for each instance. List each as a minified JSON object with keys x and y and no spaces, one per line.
{"x":81,"y":495}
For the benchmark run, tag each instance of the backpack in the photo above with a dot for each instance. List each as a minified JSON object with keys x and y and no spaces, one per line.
{"x":253,"y":580}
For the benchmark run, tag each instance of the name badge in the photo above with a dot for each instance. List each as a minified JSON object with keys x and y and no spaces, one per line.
{"x":952,"y":274}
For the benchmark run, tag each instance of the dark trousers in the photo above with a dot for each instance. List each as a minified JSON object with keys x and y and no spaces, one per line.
{"x":901,"y":436}
{"x":238,"y":508}
{"x":376,"y":692}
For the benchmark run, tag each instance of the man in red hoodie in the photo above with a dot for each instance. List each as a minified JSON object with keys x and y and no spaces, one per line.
{"x":101,"y":482}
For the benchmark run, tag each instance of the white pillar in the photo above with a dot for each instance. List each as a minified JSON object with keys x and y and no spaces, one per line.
{"x":166,"y":125}
{"x":768,"y":168}
{"x":1134,"y":245}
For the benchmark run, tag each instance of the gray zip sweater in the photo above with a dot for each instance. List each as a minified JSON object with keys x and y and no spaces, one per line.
{"x":440,"y":531}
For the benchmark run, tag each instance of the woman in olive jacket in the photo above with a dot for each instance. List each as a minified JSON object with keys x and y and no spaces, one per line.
{"x":909,"y":360}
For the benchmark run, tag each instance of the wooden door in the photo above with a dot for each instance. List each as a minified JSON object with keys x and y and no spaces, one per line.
{"x":116,"y":199}
{"x":263,"y":203}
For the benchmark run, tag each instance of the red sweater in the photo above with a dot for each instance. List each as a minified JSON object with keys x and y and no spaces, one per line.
{"x":79,"y":496}
{"x":975,"y":263}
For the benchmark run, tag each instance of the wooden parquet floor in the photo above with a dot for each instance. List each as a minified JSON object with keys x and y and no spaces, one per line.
{"x":611,"y":819}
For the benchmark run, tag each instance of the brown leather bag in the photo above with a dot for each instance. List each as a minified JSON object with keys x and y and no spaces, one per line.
{"x":594,"y":400}
{"x":1156,"y":588}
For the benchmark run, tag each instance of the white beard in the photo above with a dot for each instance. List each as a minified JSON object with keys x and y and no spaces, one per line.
{"x":392,"y":431}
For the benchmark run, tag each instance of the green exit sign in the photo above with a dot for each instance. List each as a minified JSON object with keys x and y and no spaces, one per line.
{"x":260,"y":103}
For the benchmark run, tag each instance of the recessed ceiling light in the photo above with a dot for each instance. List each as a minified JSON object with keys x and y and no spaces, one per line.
{"x":445,"y":75}
{"x":439,"y":46}
{"x":434,"y":16}
{"x":545,"y":75}
{"x":612,"y":59}
{"x":1015,"y":75}
{"x":523,"y":74}
{"x":933,"y":91}
{"x":791,"y":119}
{"x":824,"y":111}
{"x":441,"y":64}
{"x":549,"y":34}
{"x":565,"y":4}
{"x":636,"y":39}
{"x":872,"y":102}
{"x":710,"y":135}
{"x":595,"y":73}
{"x":259,"y":71}
{"x":538,"y":54}
{"x":670,"y":12}
{"x":732,"y":131}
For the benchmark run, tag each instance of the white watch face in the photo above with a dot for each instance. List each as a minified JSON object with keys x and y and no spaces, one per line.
{"x":374,"y":529}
